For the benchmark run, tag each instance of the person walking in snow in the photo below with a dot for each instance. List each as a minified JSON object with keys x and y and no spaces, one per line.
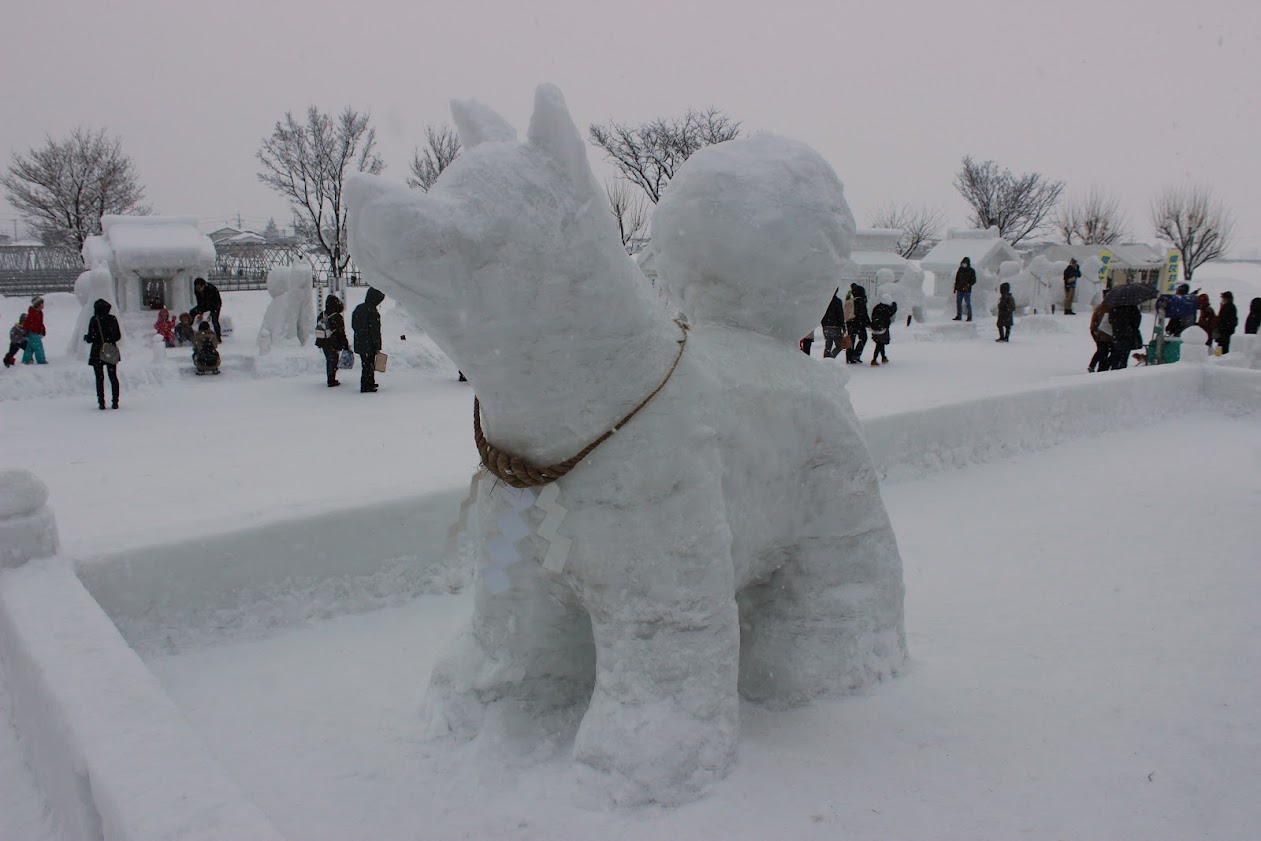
{"x":881,"y":322}
{"x":35,"y":332}
{"x":103,"y":329}
{"x":1227,"y":321}
{"x":1127,"y":336}
{"x":1006,"y":312}
{"x":965,"y":279}
{"x":1072,"y":273}
{"x":366,"y":322}
{"x":17,"y":341}
{"x":1253,"y":323}
{"x":833,"y":326}
{"x":856,"y":322}
{"x":209,"y":302}
{"x":336,"y":341}
{"x":1101,"y":332}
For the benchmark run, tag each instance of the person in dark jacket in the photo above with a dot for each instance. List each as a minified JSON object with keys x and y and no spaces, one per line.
{"x":857,"y":323}
{"x":1127,"y":336}
{"x":1227,"y":321}
{"x":1072,"y":273}
{"x":881,"y":321}
{"x":206,"y":358}
{"x":366,"y":322}
{"x":209,"y":302}
{"x":833,"y":325}
{"x":1101,"y":332}
{"x":336,"y":341}
{"x":1208,"y":319}
{"x":1006,"y":312}
{"x":103,"y":328}
{"x":965,"y":279}
{"x":17,"y":341}
{"x":1253,"y":323}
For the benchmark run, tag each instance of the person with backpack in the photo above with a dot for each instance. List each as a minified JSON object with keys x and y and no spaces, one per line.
{"x":856,"y":322}
{"x":103,"y":335}
{"x":330,"y":336}
{"x":35,"y":332}
{"x":1227,"y":321}
{"x":17,"y":341}
{"x":205,"y":350}
{"x":881,"y":322}
{"x":366,"y":322}
{"x":209,"y":302}
{"x":1006,"y":312}
{"x":833,"y":326}
{"x":965,"y":279}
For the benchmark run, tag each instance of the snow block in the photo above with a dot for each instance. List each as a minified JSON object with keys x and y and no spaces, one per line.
{"x":27,"y":526}
{"x":1235,"y":391}
{"x":113,"y":754}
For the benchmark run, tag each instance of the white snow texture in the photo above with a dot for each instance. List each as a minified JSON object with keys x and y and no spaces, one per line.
{"x":731,"y":538}
{"x":290,"y":317}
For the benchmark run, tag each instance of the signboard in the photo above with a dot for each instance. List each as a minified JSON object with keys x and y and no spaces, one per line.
{"x":1105,"y":257}
{"x":1173,"y":265}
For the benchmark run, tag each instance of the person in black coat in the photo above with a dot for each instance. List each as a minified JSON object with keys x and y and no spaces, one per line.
{"x":336,"y":341}
{"x":103,"y":328}
{"x":965,"y":279}
{"x":833,"y":325}
{"x":1253,"y":323}
{"x":1072,"y":273}
{"x":881,"y":320}
{"x":857,"y":324}
{"x":1227,"y":321}
{"x":209,"y":301}
{"x":366,"y":322}
{"x":1126,"y":335}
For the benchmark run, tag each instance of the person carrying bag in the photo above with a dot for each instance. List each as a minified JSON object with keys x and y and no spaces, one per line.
{"x":103,"y":335}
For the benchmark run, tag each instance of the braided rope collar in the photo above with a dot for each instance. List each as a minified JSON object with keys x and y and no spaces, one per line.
{"x":520,"y":473}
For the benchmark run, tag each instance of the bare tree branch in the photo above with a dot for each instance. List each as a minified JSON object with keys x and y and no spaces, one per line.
{"x":307,"y":163}
{"x":630,"y":213}
{"x":650,"y":154}
{"x":64,"y":188}
{"x":1018,"y":205}
{"x":442,"y":146}
{"x":1095,"y":219}
{"x":1195,"y":222}
{"x":918,"y":225}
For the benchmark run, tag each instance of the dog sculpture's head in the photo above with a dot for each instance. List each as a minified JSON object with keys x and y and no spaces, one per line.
{"x":512,"y":251}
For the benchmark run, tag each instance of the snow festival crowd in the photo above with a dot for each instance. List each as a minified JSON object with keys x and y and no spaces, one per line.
{"x":1115,"y":323}
{"x":847,"y":327}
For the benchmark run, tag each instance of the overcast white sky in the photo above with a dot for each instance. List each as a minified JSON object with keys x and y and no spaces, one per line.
{"x":1126,"y":96}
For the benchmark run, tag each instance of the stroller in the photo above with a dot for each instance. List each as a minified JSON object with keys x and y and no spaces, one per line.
{"x":205,"y":353}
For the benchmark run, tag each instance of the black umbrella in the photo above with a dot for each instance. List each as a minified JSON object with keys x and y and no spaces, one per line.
{"x":1130,"y":293}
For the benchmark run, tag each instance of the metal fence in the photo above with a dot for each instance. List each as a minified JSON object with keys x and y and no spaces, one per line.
{"x":35,"y":270}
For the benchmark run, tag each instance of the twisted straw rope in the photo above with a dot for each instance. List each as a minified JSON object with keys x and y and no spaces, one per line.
{"x":519,"y":473}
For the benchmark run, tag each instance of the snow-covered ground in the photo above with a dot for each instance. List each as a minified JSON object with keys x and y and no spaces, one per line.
{"x":1084,"y":649}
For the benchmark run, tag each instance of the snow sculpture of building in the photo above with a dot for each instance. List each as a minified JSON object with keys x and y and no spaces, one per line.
{"x":907,"y":290}
{"x":874,"y":249}
{"x":986,"y":251}
{"x":291,"y":313}
{"x":94,"y":284}
{"x":730,"y":538}
{"x":153,"y":260}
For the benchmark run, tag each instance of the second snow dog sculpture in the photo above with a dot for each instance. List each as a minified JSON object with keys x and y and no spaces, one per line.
{"x":730,"y":538}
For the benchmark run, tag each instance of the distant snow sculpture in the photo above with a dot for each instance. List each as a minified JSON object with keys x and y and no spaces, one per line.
{"x":730,"y":538}
{"x":95,"y":283}
{"x":907,"y":291}
{"x":291,"y":313}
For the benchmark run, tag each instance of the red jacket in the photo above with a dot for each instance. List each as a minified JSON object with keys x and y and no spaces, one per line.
{"x":35,"y":322}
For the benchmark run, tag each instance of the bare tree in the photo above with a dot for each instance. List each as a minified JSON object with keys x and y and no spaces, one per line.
{"x":63,"y":188}
{"x":1018,"y":205}
{"x":307,"y":163}
{"x":442,"y":146}
{"x":918,"y":224}
{"x":630,"y":213}
{"x":1196,"y":222}
{"x":1095,"y":219}
{"x":650,"y":154}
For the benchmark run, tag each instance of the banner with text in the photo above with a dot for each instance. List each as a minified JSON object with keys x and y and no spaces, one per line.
{"x":1105,"y":262}
{"x":1173,"y":264}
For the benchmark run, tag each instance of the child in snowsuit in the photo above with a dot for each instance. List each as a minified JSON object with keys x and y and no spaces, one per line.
{"x":1006,"y":312}
{"x":17,"y":341}
{"x":881,"y":319}
{"x":35,"y":332}
{"x":205,"y":350}
{"x":184,"y":330}
{"x":165,"y":327}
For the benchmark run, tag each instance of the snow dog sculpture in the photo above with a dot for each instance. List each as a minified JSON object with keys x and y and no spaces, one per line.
{"x":730,"y":538}
{"x":291,"y":313}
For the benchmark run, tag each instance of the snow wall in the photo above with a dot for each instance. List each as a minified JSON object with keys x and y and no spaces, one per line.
{"x":117,"y":760}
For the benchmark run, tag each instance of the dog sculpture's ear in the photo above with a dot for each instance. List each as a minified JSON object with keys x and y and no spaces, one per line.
{"x":553,"y":130}
{"x":477,"y":123}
